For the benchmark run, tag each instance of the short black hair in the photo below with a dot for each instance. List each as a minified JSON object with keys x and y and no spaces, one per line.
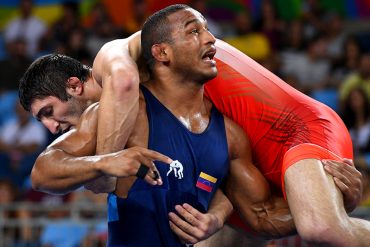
{"x":48,"y":76}
{"x":156,"y":30}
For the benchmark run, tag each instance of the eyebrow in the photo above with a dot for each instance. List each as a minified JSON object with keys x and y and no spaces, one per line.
{"x":191,"y":21}
{"x":196,"y":20}
{"x":42,"y":112}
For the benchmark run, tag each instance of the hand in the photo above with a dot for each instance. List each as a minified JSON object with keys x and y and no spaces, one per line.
{"x":127,"y":162}
{"x":195,"y":226}
{"x":347,"y":179}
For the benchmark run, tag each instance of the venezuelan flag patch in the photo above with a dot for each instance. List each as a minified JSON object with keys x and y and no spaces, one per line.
{"x":206,"y":182}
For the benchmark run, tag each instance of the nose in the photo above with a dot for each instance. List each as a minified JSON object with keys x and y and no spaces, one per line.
{"x":209,"y":37}
{"x":51,"y":125}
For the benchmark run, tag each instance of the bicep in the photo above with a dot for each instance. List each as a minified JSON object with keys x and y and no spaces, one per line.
{"x":246,"y":187}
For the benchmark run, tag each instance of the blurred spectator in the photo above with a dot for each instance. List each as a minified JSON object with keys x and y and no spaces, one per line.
{"x":12,"y":235}
{"x":101,"y":29}
{"x":334,"y":35}
{"x":64,"y":231}
{"x":140,"y":13}
{"x":347,"y":63}
{"x":270,"y":25}
{"x":26,"y":27}
{"x":21,"y":141}
{"x":14,"y":65}
{"x":311,"y":68}
{"x":254,"y":44}
{"x":313,"y":15}
{"x":356,"y":116}
{"x":58,"y":33}
{"x":98,"y":233}
{"x":361,"y":78}
{"x":365,"y":202}
{"x":76,"y":46}
{"x":213,"y":26}
{"x":294,"y":40}
{"x":61,"y":231}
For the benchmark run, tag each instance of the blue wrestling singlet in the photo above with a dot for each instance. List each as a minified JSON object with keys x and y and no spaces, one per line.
{"x":201,"y":163}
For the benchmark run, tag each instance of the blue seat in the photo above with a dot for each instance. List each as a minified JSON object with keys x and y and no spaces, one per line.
{"x":328,"y":97}
{"x":7,"y":106}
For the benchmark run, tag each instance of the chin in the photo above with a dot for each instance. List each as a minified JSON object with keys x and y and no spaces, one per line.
{"x":212,"y":74}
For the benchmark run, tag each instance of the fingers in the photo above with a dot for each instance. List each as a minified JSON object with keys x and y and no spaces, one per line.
{"x":348,"y":179}
{"x":349,"y":162}
{"x":337,"y":171}
{"x":184,"y":229}
{"x":143,"y":156}
{"x":190,"y":224}
{"x":147,"y":157}
{"x":346,"y":169}
{"x":153,"y":155}
{"x":153,"y":177}
{"x":185,"y":237}
{"x":342,"y":186}
{"x":190,"y":214}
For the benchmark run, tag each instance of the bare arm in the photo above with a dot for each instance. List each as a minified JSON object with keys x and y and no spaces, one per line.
{"x":69,"y":162}
{"x":54,"y":170}
{"x":249,"y":192}
{"x":119,"y":103}
{"x":116,"y":70}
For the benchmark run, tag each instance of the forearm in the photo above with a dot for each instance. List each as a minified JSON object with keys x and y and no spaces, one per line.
{"x":220,"y":207}
{"x":273,"y":219}
{"x":117,"y":112}
{"x":119,"y":102}
{"x":270,"y":218}
{"x":57,"y":172}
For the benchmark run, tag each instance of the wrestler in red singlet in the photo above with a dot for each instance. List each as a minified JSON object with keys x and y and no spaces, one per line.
{"x":283,"y":125}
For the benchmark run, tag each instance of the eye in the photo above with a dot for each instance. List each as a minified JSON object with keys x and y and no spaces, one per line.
{"x":195,"y":31}
{"x":48,"y":112}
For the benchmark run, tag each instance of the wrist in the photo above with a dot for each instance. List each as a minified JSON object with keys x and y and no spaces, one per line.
{"x":219,"y":220}
{"x":99,"y":165}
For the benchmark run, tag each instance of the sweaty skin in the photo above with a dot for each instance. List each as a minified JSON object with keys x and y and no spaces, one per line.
{"x":63,"y":177}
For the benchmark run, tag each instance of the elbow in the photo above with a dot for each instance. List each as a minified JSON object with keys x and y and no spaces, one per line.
{"x":36,"y":180}
{"x":40,"y":181}
{"x":125,"y":81}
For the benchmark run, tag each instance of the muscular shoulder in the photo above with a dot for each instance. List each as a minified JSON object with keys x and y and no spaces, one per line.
{"x":119,"y":54}
{"x":82,"y":139}
{"x":89,"y":118}
{"x":110,"y":51}
{"x":237,"y":140}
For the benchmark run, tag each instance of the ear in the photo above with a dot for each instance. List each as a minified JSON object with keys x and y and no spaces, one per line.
{"x":160,"y":52}
{"x":74,"y":86}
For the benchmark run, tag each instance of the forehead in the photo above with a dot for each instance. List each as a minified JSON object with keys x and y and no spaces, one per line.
{"x":184,"y":16}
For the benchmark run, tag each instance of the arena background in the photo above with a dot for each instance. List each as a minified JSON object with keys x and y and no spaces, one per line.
{"x":327,"y":41}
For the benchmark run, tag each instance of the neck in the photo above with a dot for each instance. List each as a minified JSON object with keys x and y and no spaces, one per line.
{"x":92,"y":90}
{"x":182,"y":96}
{"x":184,"y":99}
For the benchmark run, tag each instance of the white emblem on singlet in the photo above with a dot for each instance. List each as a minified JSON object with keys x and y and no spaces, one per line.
{"x":177,"y":169}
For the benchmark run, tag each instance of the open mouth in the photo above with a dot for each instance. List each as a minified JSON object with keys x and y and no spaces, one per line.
{"x":209,"y":55}
{"x":67,"y":129}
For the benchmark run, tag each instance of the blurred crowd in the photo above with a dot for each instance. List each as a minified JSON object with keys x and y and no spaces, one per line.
{"x":320,"y":53}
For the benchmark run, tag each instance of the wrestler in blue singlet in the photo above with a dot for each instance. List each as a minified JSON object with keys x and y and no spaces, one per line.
{"x":201,"y":164}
